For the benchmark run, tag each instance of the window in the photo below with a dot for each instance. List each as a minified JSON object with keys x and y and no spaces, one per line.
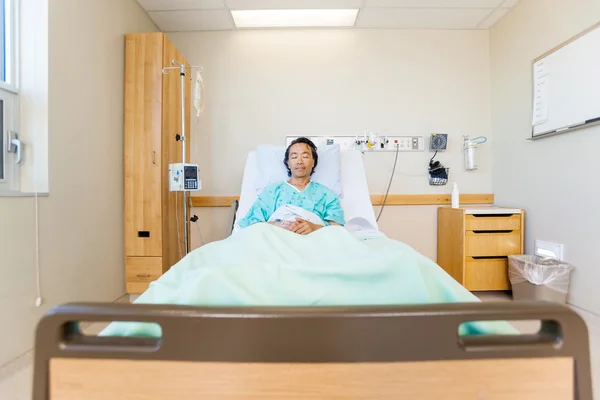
{"x":10,"y":146}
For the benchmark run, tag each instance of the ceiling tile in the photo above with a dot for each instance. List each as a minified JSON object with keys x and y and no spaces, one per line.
{"x":291,"y":4}
{"x":196,"y":20}
{"x":493,"y":18}
{"x":434,"y":3}
{"x":421,"y":18}
{"x":160,"y":5}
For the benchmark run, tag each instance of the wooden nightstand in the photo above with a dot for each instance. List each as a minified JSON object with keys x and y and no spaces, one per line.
{"x":474,"y":242}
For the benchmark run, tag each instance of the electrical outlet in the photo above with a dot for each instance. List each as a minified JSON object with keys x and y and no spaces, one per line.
{"x":404,"y":143}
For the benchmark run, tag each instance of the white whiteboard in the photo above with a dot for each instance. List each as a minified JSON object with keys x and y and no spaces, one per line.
{"x":566,"y":86}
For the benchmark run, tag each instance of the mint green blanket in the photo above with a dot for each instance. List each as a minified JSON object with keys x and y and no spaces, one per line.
{"x":265,"y":265}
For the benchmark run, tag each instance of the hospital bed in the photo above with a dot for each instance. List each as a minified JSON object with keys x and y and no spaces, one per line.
{"x":325,"y":349}
{"x":406,"y":352}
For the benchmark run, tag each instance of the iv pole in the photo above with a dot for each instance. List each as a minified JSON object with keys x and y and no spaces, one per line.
{"x":181,"y":67}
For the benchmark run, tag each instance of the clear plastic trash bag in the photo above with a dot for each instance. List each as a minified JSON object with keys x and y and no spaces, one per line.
{"x":540,"y":271}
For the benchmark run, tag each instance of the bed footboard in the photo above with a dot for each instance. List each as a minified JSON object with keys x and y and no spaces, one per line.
{"x":313,"y":353}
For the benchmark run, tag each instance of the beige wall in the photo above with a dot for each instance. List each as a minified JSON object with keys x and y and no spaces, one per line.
{"x":264,"y":85}
{"x":550,"y":178}
{"x":81,"y":222}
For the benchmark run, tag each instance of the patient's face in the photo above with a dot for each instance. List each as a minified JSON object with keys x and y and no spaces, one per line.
{"x":301,"y":161}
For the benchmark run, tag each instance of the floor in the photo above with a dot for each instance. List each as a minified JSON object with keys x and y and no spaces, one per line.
{"x":16,"y":377}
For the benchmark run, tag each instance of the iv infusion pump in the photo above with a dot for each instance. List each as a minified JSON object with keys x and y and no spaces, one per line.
{"x":184,"y":177}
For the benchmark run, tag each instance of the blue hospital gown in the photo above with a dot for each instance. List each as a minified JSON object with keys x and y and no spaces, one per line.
{"x":315,"y":198}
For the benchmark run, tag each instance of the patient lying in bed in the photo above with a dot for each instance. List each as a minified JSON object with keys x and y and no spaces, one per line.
{"x":299,"y":204}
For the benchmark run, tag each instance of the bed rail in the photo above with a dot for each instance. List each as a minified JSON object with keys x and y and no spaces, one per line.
{"x":234,"y":207}
{"x":365,"y":352}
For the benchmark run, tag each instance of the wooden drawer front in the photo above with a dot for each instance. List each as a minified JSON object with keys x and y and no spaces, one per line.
{"x":493,"y":223}
{"x":492,"y":244}
{"x":140,"y":271}
{"x":486,"y":274}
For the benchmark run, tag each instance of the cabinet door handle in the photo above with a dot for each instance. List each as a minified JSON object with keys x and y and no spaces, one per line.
{"x":143,"y":275}
{"x":154,"y":157}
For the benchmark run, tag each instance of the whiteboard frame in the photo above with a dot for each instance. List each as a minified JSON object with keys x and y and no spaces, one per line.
{"x":554,"y":132}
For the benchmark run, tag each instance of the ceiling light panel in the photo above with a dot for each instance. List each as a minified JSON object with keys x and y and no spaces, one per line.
{"x":294,"y":18}
{"x":291,"y":4}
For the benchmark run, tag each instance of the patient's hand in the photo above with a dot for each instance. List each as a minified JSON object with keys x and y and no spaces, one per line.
{"x":282,"y":224}
{"x":303,"y":227}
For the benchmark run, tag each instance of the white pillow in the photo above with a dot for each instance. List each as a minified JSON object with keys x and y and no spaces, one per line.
{"x":272,"y":169}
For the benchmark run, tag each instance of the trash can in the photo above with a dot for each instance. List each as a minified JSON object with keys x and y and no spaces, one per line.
{"x":539,"y":278}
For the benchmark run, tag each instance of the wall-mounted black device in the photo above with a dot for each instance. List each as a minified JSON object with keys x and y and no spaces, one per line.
{"x":438,"y":142}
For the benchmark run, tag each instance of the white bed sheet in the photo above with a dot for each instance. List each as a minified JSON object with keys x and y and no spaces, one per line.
{"x":356,"y":200}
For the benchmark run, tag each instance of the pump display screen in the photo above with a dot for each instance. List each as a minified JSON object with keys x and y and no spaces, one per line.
{"x":190,"y":176}
{"x":190,"y":172}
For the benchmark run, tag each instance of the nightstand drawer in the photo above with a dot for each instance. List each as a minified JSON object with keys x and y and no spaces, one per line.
{"x":492,"y":244}
{"x":493,"y":223}
{"x":486,"y":274}
{"x":140,"y":271}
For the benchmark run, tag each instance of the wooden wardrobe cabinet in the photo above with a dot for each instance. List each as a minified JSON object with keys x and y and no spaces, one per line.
{"x":154,"y":225}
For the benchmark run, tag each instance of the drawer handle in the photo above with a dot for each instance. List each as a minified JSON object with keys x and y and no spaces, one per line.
{"x":492,"y":215}
{"x":143,"y":275}
{"x":496,"y":231}
{"x":489,"y":257}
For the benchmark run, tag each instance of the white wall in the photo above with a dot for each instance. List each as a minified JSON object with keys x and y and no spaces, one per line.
{"x":264,"y":85}
{"x":552,"y":178}
{"x":81,"y":222}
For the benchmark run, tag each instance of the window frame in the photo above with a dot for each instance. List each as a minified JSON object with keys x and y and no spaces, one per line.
{"x":9,"y":94}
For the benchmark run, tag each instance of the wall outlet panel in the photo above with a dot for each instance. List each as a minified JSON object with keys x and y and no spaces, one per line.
{"x":549,"y":249}
{"x":380,"y":143}
{"x":404,"y":143}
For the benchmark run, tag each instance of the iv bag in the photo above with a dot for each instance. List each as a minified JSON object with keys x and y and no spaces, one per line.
{"x":199,"y":94}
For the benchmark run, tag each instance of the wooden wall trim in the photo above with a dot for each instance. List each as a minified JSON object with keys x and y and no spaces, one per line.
{"x":376,"y":199}
{"x":212,"y":201}
{"x":429,"y":199}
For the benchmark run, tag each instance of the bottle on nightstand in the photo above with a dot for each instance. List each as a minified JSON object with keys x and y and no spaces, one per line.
{"x":455,"y":196}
